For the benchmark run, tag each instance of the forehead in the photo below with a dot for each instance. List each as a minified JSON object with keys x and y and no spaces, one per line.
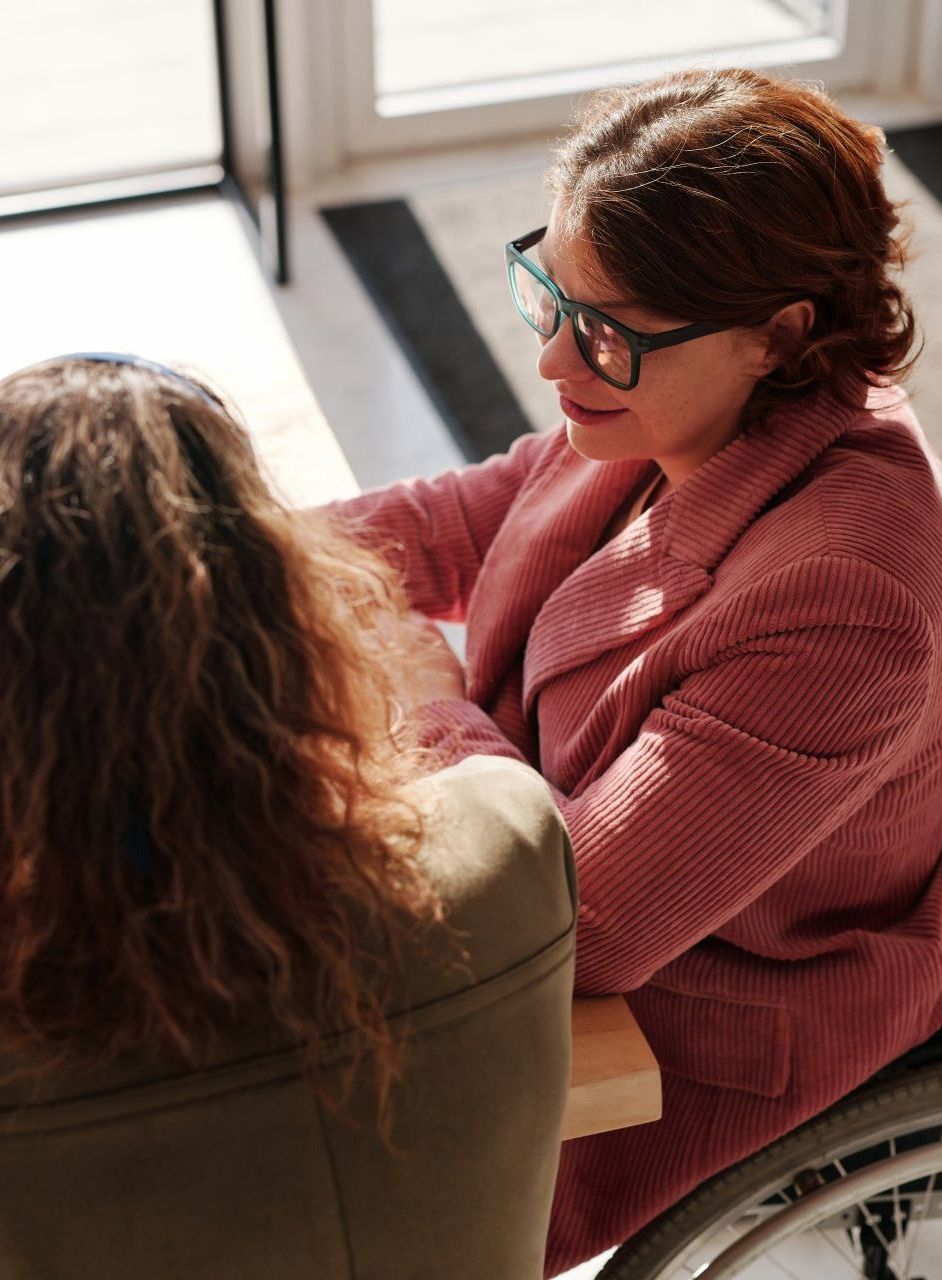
{"x":566,"y":250}
{"x":569,"y":257}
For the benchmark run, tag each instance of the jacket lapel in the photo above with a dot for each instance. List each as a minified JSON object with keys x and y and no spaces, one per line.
{"x":567,"y":604}
{"x":666,"y":559}
{"x":630,"y":585}
{"x":549,"y":531}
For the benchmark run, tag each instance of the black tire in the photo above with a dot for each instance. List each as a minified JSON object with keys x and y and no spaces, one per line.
{"x":900,"y":1102}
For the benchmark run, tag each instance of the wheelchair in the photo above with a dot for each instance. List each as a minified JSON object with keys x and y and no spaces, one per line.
{"x":846,"y":1194}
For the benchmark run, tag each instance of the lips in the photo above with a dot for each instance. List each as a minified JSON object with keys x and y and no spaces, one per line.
{"x":584,"y":416}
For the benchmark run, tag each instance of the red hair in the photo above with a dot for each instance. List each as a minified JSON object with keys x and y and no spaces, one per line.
{"x":724,"y":195}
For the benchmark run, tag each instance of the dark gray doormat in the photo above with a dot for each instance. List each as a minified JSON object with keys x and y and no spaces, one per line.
{"x":921,"y":152}
{"x":416,"y":296}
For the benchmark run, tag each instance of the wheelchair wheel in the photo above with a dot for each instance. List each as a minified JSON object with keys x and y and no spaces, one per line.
{"x":851,"y":1193}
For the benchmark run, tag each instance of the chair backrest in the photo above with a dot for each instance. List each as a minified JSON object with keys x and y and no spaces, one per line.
{"x":240,"y":1172}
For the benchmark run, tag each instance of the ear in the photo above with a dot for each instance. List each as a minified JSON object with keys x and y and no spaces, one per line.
{"x":789,"y":325}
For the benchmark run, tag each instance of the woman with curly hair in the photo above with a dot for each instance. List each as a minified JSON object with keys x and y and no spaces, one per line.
{"x":271,"y":1002}
{"x":709,"y":609}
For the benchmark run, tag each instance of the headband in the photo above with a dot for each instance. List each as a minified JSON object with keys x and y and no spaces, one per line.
{"x":117,"y":357}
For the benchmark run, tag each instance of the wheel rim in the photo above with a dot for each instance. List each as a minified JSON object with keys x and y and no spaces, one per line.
{"x":885,"y":1180}
{"x":835,"y":1156}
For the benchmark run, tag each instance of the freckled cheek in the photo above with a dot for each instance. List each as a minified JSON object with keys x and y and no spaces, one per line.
{"x":673,"y":410}
{"x":688,"y":390}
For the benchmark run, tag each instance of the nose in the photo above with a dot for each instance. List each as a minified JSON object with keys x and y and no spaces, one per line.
{"x":560,"y":359}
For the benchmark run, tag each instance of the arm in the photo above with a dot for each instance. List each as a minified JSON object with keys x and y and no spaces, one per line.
{"x":438,"y":531}
{"x":743,"y":769}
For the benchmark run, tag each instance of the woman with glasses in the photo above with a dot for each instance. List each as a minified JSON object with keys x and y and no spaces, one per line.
{"x":273,"y":1003}
{"x":709,"y":609}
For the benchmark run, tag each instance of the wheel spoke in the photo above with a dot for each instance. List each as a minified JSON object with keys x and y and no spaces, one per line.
{"x":910,"y":1250}
{"x":793,"y":1275}
{"x":845,"y":1257}
{"x":867,"y":1175}
{"x":868,"y":1216}
{"x":827,"y":1237}
{"x":898,"y":1216}
{"x":897,"y":1220}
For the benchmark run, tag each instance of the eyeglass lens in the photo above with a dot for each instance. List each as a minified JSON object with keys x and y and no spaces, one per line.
{"x":537,"y":305}
{"x":606,"y":351}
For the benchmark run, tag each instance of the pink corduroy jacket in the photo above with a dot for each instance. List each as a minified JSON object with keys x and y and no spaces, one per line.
{"x":738,"y":703}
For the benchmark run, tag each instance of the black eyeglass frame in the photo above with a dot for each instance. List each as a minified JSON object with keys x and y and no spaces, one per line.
{"x":639,"y":344}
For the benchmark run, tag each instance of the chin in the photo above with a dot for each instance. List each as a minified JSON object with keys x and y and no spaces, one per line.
{"x":602,"y":444}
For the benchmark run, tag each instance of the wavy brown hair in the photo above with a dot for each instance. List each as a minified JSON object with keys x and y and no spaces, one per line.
{"x":202,"y":804}
{"x":724,"y":195}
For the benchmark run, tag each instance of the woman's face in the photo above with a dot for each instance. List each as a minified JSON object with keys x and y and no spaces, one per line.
{"x":689,"y":399}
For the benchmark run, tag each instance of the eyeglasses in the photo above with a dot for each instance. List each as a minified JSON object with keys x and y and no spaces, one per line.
{"x":609,"y":348}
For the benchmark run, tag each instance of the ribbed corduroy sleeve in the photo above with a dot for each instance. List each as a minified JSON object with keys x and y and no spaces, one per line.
{"x":437,"y":532}
{"x":743,"y":769}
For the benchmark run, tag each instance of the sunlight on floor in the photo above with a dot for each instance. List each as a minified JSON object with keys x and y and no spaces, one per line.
{"x":176,"y":282}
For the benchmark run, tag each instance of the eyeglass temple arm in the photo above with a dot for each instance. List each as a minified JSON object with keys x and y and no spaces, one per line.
{"x":528,"y":241}
{"x":673,"y":337}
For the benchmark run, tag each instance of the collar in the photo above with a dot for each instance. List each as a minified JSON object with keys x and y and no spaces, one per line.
{"x":565,"y":604}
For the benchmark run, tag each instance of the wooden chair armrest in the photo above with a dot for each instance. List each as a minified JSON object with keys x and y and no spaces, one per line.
{"x":615,"y":1078}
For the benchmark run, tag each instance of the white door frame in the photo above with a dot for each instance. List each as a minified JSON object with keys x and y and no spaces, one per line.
{"x":893,"y":51}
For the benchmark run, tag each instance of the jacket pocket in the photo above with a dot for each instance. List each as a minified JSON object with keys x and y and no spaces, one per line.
{"x":715,"y":1041}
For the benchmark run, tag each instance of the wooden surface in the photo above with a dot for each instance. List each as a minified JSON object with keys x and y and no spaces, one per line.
{"x":615,"y":1078}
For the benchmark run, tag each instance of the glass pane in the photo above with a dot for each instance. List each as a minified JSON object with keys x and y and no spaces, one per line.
{"x":607,"y":350}
{"x":104,"y":88}
{"x":425,"y":44}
